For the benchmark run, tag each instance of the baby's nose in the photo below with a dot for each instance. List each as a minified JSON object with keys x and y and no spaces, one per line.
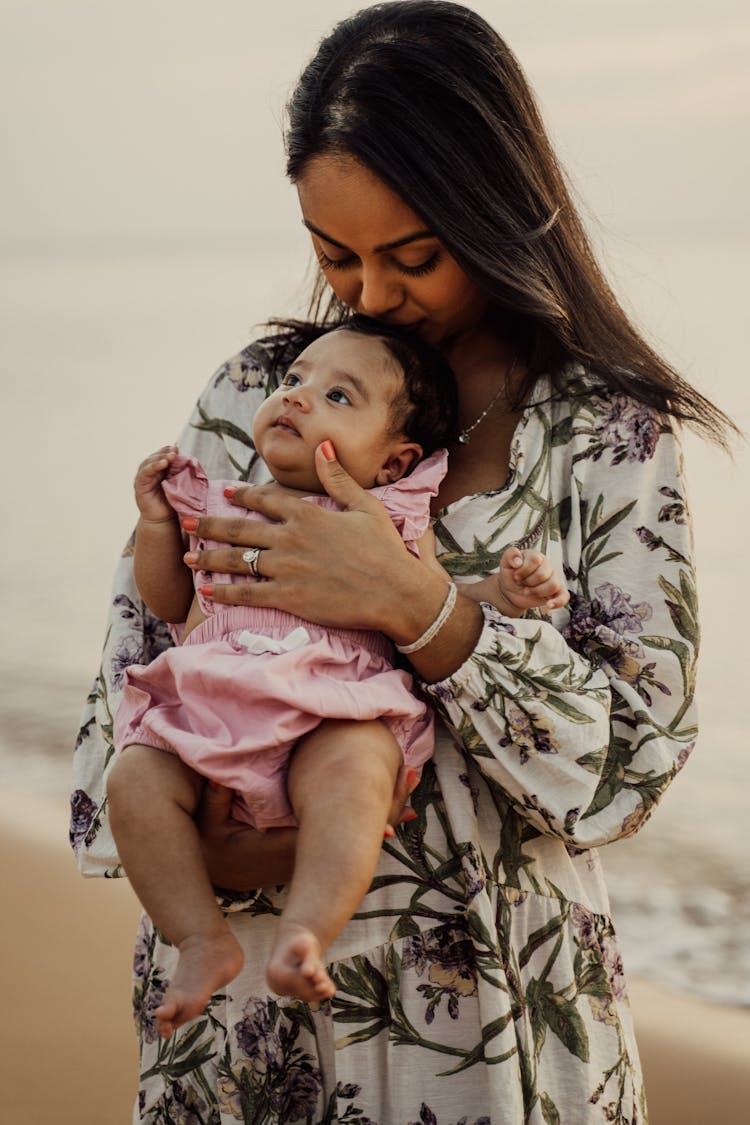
{"x":299,"y":397}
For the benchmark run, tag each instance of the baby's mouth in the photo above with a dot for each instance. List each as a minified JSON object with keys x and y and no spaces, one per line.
{"x":286,"y":424}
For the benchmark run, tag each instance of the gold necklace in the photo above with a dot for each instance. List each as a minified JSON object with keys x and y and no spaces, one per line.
{"x":466,"y":432}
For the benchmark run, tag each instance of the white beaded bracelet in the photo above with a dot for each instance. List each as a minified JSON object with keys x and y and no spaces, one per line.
{"x":433,"y":629}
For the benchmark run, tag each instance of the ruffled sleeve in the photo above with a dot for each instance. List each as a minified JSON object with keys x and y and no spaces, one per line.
{"x":186,"y":486}
{"x":407,"y":501}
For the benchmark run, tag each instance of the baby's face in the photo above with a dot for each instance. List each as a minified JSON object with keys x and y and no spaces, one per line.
{"x":340,"y":388}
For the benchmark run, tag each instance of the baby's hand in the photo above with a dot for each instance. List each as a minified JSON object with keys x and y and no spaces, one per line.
{"x":526,"y":580}
{"x":149,"y":497}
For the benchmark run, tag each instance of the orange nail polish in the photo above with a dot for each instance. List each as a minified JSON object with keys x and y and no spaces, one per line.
{"x":407,"y":815}
{"x":190,"y":523}
{"x":229,"y":491}
{"x":412,"y":781}
{"x":328,"y":451}
{"x":207,"y":591}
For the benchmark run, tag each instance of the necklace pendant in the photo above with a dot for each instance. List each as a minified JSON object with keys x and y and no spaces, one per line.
{"x":463,"y":438}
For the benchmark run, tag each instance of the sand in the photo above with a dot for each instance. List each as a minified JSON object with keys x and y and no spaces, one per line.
{"x":68,"y":1052}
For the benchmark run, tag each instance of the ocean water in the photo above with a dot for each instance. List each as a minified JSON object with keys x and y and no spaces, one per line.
{"x":102,"y":356}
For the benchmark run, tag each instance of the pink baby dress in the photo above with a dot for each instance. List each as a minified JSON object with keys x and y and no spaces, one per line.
{"x":248,"y":683}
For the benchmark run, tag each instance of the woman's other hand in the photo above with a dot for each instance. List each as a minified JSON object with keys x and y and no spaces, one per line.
{"x":238,"y":857}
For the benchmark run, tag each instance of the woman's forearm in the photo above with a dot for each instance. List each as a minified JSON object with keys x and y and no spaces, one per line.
{"x":414,"y":603}
{"x":163,"y":580}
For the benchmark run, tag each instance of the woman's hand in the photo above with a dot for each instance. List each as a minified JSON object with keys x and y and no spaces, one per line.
{"x":239,"y":858}
{"x":345,"y":569}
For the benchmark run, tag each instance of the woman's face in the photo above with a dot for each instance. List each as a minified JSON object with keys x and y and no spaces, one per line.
{"x":378,"y":255}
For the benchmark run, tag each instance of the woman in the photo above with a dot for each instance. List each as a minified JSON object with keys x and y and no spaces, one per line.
{"x":480,"y":980}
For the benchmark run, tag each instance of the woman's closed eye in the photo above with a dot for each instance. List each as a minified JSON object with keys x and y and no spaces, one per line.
{"x":418,"y":270}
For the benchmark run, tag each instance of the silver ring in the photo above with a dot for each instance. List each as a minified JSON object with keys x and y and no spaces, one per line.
{"x":251,"y":558}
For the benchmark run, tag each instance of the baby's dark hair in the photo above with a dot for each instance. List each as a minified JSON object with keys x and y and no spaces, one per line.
{"x":427,"y":407}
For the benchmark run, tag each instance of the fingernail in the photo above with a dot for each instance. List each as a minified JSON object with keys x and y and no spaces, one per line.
{"x":190,"y":523}
{"x":229,"y":491}
{"x":407,"y":815}
{"x":207,"y":591}
{"x":328,"y":451}
{"x":516,"y":560}
{"x":190,"y":557}
{"x":389,"y":831}
{"x":412,"y":781}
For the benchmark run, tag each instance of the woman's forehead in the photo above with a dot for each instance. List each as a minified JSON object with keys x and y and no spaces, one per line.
{"x":347,"y":204}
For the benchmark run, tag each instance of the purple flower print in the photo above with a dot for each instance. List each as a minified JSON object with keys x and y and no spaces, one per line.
{"x":529,"y":734}
{"x":128,"y":652}
{"x":297,"y":1098}
{"x":82,"y":813}
{"x":185,"y":1105}
{"x":243,"y":371}
{"x":448,"y":956}
{"x":256,"y":1036}
{"x":605,"y":619}
{"x":584,"y":922}
{"x":628,"y":428}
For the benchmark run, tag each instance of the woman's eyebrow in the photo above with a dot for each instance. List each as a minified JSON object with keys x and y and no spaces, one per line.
{"x":415,"y":236}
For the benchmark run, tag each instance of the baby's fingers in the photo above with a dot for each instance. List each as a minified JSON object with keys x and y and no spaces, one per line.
{"x":156,"y":463}
{"x":550,"y":594}
{"x":527,"y":568}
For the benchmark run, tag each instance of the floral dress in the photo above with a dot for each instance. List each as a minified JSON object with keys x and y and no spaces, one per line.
{"x":480,"y":981}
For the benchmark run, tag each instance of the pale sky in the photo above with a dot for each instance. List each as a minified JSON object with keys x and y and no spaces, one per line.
{"x":157,"y":121}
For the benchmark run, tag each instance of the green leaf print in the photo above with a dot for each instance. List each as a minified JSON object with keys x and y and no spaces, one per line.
{"x":563,"y":1018}
{"x":549,"y":1110}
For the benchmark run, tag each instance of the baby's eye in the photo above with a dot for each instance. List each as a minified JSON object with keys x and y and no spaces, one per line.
{"x":337,"y":395}
{"x":290,"y":380}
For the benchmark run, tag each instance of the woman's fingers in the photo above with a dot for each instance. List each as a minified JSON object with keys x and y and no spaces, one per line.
{"x":336,"y":481}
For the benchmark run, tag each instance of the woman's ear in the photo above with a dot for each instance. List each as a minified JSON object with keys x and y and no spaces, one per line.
{"x":400,"y":460}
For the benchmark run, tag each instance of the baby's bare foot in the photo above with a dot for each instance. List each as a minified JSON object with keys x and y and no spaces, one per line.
{"x":205,"y":965}
{"x":296,"y":966}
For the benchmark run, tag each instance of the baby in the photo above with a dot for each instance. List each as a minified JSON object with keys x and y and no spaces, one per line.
{"x":246,"y":685}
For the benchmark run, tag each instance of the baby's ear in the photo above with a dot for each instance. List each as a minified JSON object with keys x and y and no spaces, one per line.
{"x":400,"y":460}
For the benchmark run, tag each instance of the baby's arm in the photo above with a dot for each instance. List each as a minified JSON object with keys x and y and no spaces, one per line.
{"x":163,"y":580}
{"x":525,"y":580}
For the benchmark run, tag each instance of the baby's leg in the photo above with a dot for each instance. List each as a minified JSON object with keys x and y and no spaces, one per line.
{"x":341,"y":782}
{"x":152,"y":798}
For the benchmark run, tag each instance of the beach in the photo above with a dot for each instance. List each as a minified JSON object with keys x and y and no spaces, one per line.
{"x":146,"y":232}
{"x":68,"y":1049}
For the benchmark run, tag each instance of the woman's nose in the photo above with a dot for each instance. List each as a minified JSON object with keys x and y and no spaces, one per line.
{"x":379,"y":294}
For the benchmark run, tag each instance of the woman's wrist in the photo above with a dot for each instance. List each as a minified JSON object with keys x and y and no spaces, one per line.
{"x":418,"y":604}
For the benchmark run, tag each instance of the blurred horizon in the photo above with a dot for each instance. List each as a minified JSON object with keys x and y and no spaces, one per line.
{"x":160,"y":123}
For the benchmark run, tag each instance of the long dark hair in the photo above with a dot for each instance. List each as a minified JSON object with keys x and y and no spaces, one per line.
{"x":428,"y":96}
